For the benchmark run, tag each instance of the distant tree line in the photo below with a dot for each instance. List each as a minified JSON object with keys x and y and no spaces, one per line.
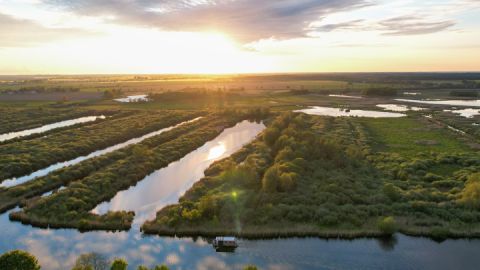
{"x":43,"y":89}
{"x":382,"y":92}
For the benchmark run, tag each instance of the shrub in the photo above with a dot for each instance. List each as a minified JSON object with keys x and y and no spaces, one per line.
{"x":93,"y":261}
{"x":387,"y":225}
{"x":18,"y":260}
{"x":471,"y":192}
{"x":270,"y":181}
{"x":392,"y":192}
{"x":119,"y":264}
{"x":287,"y":181}
{"x":271,"y":135}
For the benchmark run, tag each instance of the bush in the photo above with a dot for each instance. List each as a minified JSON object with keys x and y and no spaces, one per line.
{"x":119,"y":264}
{"x":392,"y":192}
{"x":471,"y":192}
{"x":269,"y":181}
{"x":271,"y":135}
{"x":93,"y":261}
{"x":387,"y":225}
{"x":18,"y":260}
{"x":287,"y":181}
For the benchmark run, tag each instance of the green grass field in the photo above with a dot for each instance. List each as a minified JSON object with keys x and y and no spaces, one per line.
{"x":409,"y":136}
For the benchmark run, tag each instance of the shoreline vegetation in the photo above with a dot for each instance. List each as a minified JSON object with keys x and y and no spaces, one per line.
{"x":352,"y":184}
{"x":70,"y":208}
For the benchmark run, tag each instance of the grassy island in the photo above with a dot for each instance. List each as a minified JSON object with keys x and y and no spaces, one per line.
{"x":336,"y":177}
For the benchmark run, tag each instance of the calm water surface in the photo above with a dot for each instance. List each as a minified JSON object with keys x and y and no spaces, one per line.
{"x":451,"y":102}
{"x":66,"y":123}
{"x":19,"y":180}
{"x":412,"y":93}
{"x":467,"y":113}
{"x":399,"y":108}
{"x":135,"y":98}
{"x":337,"y":112}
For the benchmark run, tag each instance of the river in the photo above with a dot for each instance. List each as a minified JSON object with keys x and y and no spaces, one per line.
{"x":45,"y":128}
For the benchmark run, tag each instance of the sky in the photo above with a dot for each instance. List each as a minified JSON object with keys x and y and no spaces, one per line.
{"x":238,"y":36}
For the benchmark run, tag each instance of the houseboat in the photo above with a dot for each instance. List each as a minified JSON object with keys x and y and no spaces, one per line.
{"x":225,"y":243}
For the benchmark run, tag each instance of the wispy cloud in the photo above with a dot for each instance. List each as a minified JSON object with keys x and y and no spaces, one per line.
{"x":244,"y":20}
{"x":397,"y":26}
{"x":349,"y":25}
{"x":412,"y":25}
{"x":16,"y":32}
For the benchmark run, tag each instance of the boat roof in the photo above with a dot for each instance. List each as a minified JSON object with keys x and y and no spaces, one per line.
{"x":225,"y":238}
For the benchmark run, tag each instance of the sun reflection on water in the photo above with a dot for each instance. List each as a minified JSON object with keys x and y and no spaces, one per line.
{"x":217,"y":151}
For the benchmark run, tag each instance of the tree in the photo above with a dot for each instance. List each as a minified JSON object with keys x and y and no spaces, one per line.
{"x":387,"y":225}
{"x":270,"y":136}
{"x":250,"y":267}
{"x":119,"y":264}
{"x":161,"y":267}
{"x":93,"y":261}
{"x":208,"y":206}
{"x":18,"y":260}
{"x":269,"y":181}
{"x":142,"y":267}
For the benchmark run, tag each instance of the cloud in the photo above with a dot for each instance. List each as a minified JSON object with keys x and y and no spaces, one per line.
{"x":212,"y":263}
{"x":244,"y":20}
{"x":397,"y":26}
{"x":22,"y":33}
{"x":350,"y":25}
{"x":411,"y":25}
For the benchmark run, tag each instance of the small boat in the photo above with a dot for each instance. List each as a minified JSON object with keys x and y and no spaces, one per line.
{"x":225,"y":243}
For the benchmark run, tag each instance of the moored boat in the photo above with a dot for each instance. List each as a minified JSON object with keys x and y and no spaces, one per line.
{"x":225,"y":243}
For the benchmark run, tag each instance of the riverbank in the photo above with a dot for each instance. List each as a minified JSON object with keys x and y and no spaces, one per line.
{"x":271,"y":231}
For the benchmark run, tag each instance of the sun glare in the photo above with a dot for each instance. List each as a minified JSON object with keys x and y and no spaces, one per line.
{"x":125,"y":49}
{"x":216,"y":151}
